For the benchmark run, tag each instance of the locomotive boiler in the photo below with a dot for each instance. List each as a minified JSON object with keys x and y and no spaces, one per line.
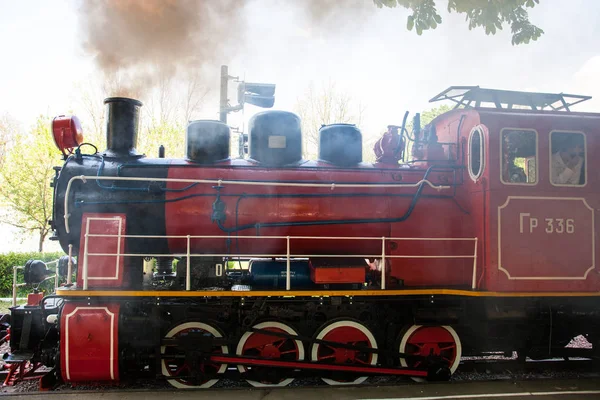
{"x":271,"y":267}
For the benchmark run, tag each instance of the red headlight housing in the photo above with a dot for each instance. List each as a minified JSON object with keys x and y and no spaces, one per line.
{"x":67,"y":133}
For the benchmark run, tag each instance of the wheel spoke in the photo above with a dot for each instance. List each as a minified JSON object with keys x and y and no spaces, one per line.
{"x":178,"y":370}
{"x":449,"y":347}
{"x":346,"y":332}
{"x":326,"y":357}
{"x":439,"y":341}
{"x":174,"y":368}
{"x":274,"y":348}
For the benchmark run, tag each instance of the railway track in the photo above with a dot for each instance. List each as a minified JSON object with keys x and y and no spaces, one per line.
{"x":480,"y":370}
{"x":559,"y":365}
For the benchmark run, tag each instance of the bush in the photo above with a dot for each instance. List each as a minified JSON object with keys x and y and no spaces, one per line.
{"x":7,"y":261}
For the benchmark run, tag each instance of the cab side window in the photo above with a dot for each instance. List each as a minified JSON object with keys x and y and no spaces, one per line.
{"x":567,"y":158}
{"x":476,"y":160}
{"x":519,"y":156}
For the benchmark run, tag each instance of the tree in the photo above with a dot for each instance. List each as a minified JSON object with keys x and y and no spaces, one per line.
{"x":322,"y":106}
{"x":25,"y":180}
{"x":169,"y":104}
{"x":8,"y":127}
{"x":426,"y":117}
{"x":491,"y":15}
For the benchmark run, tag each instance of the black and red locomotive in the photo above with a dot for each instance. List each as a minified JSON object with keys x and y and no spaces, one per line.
{"x":461,"y":240}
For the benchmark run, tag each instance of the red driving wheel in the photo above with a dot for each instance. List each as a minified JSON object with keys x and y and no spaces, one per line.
{"x":262,"y":345}
{"x":347,"y":332}
{"x":439,"y":341}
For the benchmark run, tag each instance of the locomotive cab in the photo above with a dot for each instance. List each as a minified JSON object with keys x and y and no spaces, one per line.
{"x":532,"y":203}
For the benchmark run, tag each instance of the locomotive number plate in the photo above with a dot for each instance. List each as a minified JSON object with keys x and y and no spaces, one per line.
{"x":546,"y":238}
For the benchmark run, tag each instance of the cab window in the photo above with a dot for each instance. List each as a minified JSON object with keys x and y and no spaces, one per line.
{"x":519,"y":156}
{"x":476,"y":161}
{"x":567,"y":158}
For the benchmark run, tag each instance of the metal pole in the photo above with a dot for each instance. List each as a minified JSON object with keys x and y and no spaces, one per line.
{"x":383,"y":263}
{"x":85,"y":256}
{"x":188,"y":270}
{"x":14,"y":299}
{"x":223,"y":103}
{"x":70,"y":265}
{"x":474,"y":283}
{"x":288,"y":282}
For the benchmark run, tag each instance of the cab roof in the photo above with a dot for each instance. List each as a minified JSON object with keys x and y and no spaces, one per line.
{"x":475,"y":97}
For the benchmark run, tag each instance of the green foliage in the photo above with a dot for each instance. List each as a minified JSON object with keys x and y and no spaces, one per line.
{"x":7,"y":131}
{"x":490,"y":15}
{"x":9,"y":260}
{"x":25,"y":180}
{"x":428,"y":115}
{"x":169,"y":134}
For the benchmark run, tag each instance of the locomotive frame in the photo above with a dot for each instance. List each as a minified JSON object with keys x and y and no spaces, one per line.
{"x":476,"y":273}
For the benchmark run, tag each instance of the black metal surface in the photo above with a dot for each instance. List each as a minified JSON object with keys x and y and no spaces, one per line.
{"x":122,"y":126}
{"x":145,"y":215}
{"x":340,"y":144}
{"x":207,"y":141}
{"x":34,"y":272}
{"x":27,"y":328}
{"x":275,"y":138}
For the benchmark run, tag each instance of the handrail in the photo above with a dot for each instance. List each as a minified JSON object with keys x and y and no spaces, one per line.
{"x":221,"y":182}
{"x":288,"y":255}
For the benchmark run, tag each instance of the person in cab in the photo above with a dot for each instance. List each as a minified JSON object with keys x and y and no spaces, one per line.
{"x":567,"y":162}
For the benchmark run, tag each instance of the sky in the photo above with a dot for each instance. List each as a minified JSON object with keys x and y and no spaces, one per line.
{"x":370,"y":55}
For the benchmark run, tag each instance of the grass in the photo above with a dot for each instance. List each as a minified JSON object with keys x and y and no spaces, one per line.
{"x":5,"y":305}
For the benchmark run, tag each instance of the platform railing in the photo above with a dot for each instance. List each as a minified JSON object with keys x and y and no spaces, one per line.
{"x":16,"y":285}
{"x":288,"y":255}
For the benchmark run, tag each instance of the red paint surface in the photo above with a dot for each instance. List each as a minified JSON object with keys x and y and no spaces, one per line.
{"x":346,"y":335}
{"x":431,"y":340}
{"x":268,"y":346}
{"x":33,"y":299}
{"x":551,"y":260}
{"x":67,"y":132}
{"x":86,"y":342}
{"x":337,"y":275}
{"x":102,"y":267}
{"x":316,"y":366}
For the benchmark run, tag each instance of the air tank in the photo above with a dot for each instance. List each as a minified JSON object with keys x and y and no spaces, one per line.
{"x":207,"y":141}
{"x":340,"y":144}
{"x":275,"y":138}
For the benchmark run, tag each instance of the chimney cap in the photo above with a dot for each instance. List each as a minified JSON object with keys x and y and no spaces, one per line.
{"x":125,"y":99}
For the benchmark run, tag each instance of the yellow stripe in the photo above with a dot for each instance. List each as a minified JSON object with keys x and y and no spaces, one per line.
{"x":314,"y":293}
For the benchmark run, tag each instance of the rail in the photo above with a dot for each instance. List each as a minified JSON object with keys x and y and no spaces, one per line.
{"x":221,"y":182}
{"x":16,"y":285}
{"x":288,"y":255}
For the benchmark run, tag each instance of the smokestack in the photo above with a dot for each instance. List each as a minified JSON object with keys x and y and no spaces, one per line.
{"x":122,"y":126}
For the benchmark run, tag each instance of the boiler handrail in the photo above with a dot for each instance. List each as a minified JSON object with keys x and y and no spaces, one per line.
{"x":221,"y":182}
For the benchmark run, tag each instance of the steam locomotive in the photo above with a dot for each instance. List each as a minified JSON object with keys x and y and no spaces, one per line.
{"x":459,"y":241}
